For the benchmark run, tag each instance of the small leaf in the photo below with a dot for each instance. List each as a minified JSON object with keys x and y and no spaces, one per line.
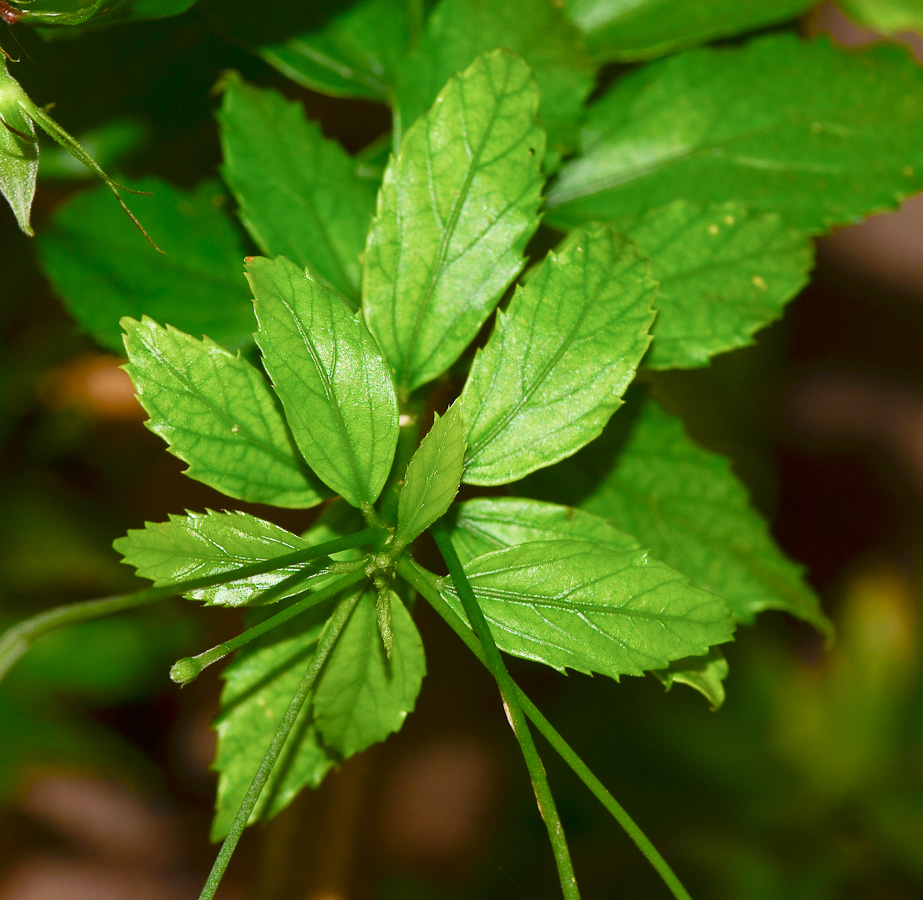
{"x":102,"y":271}
{"x":299,"y":194}
{"x":559,"y":359}
{"x":363,"y":696}
{"x":724,"y":273}
{"x":591,"y":608}
{"x":493,"y":523}
{"x":433,"y":476}
{"x":336,"y":391}
{"x":886,"y":16}
{"x":217,"y":413}
{"x":646,"y":28}
{"x":647,"y":477}
{"x":345,"y":49}
{"x":199,"y":546}
{"x":834,"y":135}
{"x":459,"y":30}
{"x":18,"y":150}
{"x":704,"y":674}
{"x":457,"y":206}
{"x":259,"y":685}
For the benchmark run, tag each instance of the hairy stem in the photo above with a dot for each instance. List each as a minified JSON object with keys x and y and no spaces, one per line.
{"x":19,"y":638}
{"x":509,"y":692}
{"x":425,"y":583}
{"x":325,"y":645}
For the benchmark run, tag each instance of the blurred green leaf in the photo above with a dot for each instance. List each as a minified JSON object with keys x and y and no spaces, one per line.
{"x":886,"y":16}
{"x":299,"y":194}
{"x":704,"y":674}
{"x":457,"y":206}
{"x":820,"y":135}
{"x":102,"y":268}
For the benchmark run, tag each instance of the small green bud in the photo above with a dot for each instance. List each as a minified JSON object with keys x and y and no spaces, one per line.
{"x":185,"y":670}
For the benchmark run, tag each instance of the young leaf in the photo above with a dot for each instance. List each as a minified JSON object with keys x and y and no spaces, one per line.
{"x":363,"y":696}
{"x":559,"y":360}
{"x":648,"y":28}
{"x":217,"y":413}
{"x":336,"y":391}
{"x":344,"y":49}
{"x":724,"y":273}
{"x":591,"y":608}
{"x":259,"y":684}
{"x":704,"y":674}
{"x":433,"y":476}
{"x":458,"y":30}
{"x":18,"y":150}
{"x":299,"y":194}
{"x":834,"y":135}
{"x":201,"y":545}
{"x":457,"y":206}
{"x":684,"y":503}
{"x":103,"y":271}
{"x":493,"y":523}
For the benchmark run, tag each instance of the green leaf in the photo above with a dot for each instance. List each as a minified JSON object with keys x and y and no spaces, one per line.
{"x":201,"y":545}
{"x":433,"y":476}
{"x":642,"y":29}
{"x":704,"y":674}
{"x":683,"y":502}
{"x":99,"y":12}
{"x":259,"y":684}
{"x":588,"y":607}
{"x":886,"y":16}
{"x":724,"y":273}
{"x":456,"y":209}
{"x":347,"y":49}
{"x":820,"y":135}
{"x":485,"y":524}
{"x":103,"y":270}
{"x":537,"y":30}
{"x":217,"y":413}
{"x":334,"y":386}
{"x":18,"y":150}
{"x":559,"y":359}
{"x":363,"y":696}
{"x":299,"y":194}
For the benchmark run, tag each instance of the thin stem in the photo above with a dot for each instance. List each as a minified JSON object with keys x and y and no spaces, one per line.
{"x":187,"y":669}
{"x":425,"y":583}
{"x":509,"y":692}
{"x":325,"y":645}
{"x":19,"y":638}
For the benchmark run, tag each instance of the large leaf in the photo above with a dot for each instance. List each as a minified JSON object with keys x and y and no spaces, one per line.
{"x":299,"y":194}
{"x":588,"y":607}
{"x":457,"y":206}
{"x":486,"y":524}
{"x":336,"y":391}
{"x":103,"y":269}
{"x":538,"y":30}
{"x":364,"y":695}
{"x":219,"y":414}
{"x":820,"y":135}
{"x":641,"y":29}
{"x":347,"y":48}
{"x":559,"y":360}
{"x":724,"y":273}
{"x":684,"y":503}
{"x":433,"y":476}
{"x":259,"y":684}
{"x":201,"y":545}
{"x":18,"y":150}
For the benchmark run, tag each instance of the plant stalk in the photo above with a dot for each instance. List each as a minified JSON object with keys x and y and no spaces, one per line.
{"x":424,"y":582}
{"x":508,"y":691}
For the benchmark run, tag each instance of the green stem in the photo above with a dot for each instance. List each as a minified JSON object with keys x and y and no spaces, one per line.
{"x":325,"y":645}
{"x":17,"y":640}
{"x":425,"y":583}
{"x":187,"y":669}
{"x":509,"y":692}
